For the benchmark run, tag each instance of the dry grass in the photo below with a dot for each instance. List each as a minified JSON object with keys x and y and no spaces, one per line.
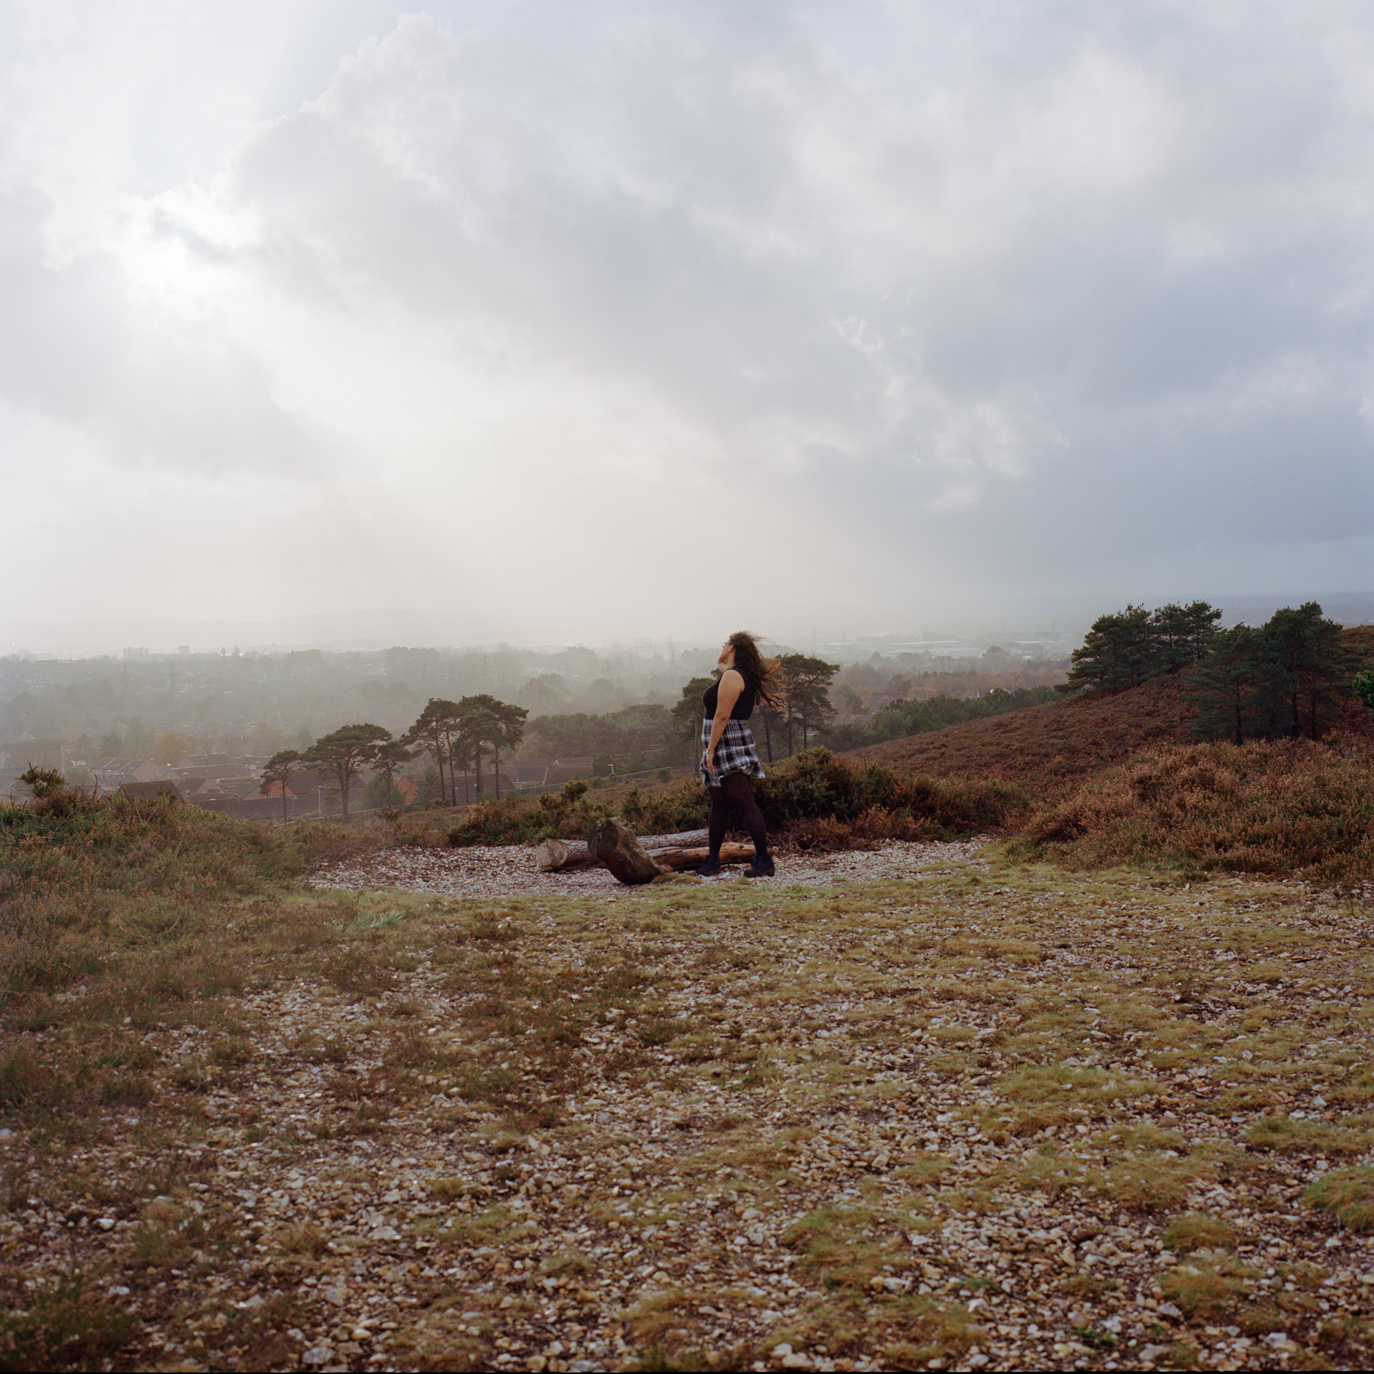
{"x":868,"y":1104}
{"x":1292,"y":808}
{"x":1046,"y":750}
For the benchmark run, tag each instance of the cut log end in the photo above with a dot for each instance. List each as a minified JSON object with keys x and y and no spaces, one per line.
{"x":614,"y":843}
{"x":551,"y":855}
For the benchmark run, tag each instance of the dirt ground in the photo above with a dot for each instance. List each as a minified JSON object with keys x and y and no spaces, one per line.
{"x":922,"y":1108}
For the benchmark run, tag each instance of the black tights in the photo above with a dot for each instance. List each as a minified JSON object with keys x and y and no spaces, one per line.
{"x":736,"y":793}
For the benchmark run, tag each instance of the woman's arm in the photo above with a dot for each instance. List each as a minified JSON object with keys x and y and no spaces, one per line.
{"x":731,"y":688}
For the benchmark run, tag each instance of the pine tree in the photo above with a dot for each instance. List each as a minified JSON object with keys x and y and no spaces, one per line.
{"x":433,"y":734}
{"x":346,"y":752}
{"x":1183,"y":634}
{"x":1306,"y":670}
{"x":278,"y":769}
{"x":1225,"y":689}
{"x":1119,"y":651}
{"x":806,"y":689}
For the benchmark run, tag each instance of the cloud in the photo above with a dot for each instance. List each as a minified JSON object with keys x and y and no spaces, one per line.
{"x":1034,"y":292}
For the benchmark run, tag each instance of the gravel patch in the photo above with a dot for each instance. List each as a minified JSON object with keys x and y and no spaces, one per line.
{"x":498,"y":871}
{"x":954,"y":1118}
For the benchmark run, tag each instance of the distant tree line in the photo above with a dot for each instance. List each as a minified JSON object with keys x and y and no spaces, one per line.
{"x":645,"y":737}
{"x":455,"y":734}
{"x":1282,"y":680}
{"x":900,"y":719}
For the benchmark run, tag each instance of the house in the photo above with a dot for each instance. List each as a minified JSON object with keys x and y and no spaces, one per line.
{"x":567,"y":770}
{"x":112,"y":773}
{"x":150,"y":791}
{"x":529,"y":772}
{"x":17,"y":754}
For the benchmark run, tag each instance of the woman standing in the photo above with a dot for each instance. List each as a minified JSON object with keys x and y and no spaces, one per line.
{"x":731,"y":758}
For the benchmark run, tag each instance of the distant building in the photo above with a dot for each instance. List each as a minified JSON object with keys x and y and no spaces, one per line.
{"x":149,"y":791}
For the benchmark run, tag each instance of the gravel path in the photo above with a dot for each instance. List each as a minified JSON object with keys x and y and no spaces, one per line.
{"x":502,"y":871}
{"x":962,"y":1117}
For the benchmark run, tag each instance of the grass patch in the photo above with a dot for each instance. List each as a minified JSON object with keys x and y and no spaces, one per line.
{"x":62,"y":1324}
{"x":1348,"y":1194}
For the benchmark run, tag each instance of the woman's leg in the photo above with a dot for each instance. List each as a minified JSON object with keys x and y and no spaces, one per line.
{"x":739,"y":792}
{"x":718,"y":822}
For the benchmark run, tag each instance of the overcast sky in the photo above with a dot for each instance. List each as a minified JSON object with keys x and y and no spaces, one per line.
{"x":576,"y":322}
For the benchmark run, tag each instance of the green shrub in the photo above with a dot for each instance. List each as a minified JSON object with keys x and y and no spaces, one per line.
{"x":820,"y":786}
{"x":819,"y":800}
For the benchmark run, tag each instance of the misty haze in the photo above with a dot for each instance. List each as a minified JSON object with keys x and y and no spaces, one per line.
{"x":686,"y":685}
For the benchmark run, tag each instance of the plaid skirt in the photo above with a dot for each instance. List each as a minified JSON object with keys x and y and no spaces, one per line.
{"x":736,"y":752}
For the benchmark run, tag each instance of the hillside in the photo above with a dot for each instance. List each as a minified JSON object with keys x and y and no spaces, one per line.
{"x":1046,"y":749}
{"x":1050,"y":749}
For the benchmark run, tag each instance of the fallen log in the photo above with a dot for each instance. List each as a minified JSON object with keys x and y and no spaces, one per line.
{"x":678,"y":859}
{"x":614,"y":843}
{"x":569,"y":856}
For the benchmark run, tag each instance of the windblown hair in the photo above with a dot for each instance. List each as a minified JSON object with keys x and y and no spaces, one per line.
{"x":764,"y":675}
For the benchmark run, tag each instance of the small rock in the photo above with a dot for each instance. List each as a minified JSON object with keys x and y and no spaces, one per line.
{"x":317,"y":1355}
{"x":1152,"y":1354}
{"x":338,"y":1296}
{"x":1167,"y":1309}
{"x":106,"y":1223}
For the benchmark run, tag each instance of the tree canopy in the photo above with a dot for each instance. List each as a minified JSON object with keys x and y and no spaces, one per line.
{"x":1283,"y":680}
{"x":1122,"y":650}
{"x":345,"y":753}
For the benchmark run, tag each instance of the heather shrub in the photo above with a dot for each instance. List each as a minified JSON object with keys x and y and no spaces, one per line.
{"x":109,"y":866}
{"x":873,"y":802}
{"x":1260,"y":807}
{"x":816,"y":799}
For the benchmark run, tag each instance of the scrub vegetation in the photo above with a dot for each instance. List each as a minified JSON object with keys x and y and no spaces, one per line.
{"x":1099,"y":1095}
{"x":996,"y":1108}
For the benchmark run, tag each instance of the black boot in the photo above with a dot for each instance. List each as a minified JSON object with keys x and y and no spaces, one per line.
{"x":709,"y":868}
{"x":762,"y":867}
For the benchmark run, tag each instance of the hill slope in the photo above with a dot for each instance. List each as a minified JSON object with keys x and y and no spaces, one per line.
{"x":1046,"y":749}
{"x":1050,"y":749}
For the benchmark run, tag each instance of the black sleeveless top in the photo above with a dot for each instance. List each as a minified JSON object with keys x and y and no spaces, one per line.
{"x":744,"y":707}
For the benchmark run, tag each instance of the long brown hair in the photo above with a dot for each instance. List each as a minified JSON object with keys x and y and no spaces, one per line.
{"x":762,"y":674}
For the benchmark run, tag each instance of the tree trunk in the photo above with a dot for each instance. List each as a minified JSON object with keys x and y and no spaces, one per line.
{"x":570,"y":856}
{"x":616,"y":846}
{"x":496,"y":768}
